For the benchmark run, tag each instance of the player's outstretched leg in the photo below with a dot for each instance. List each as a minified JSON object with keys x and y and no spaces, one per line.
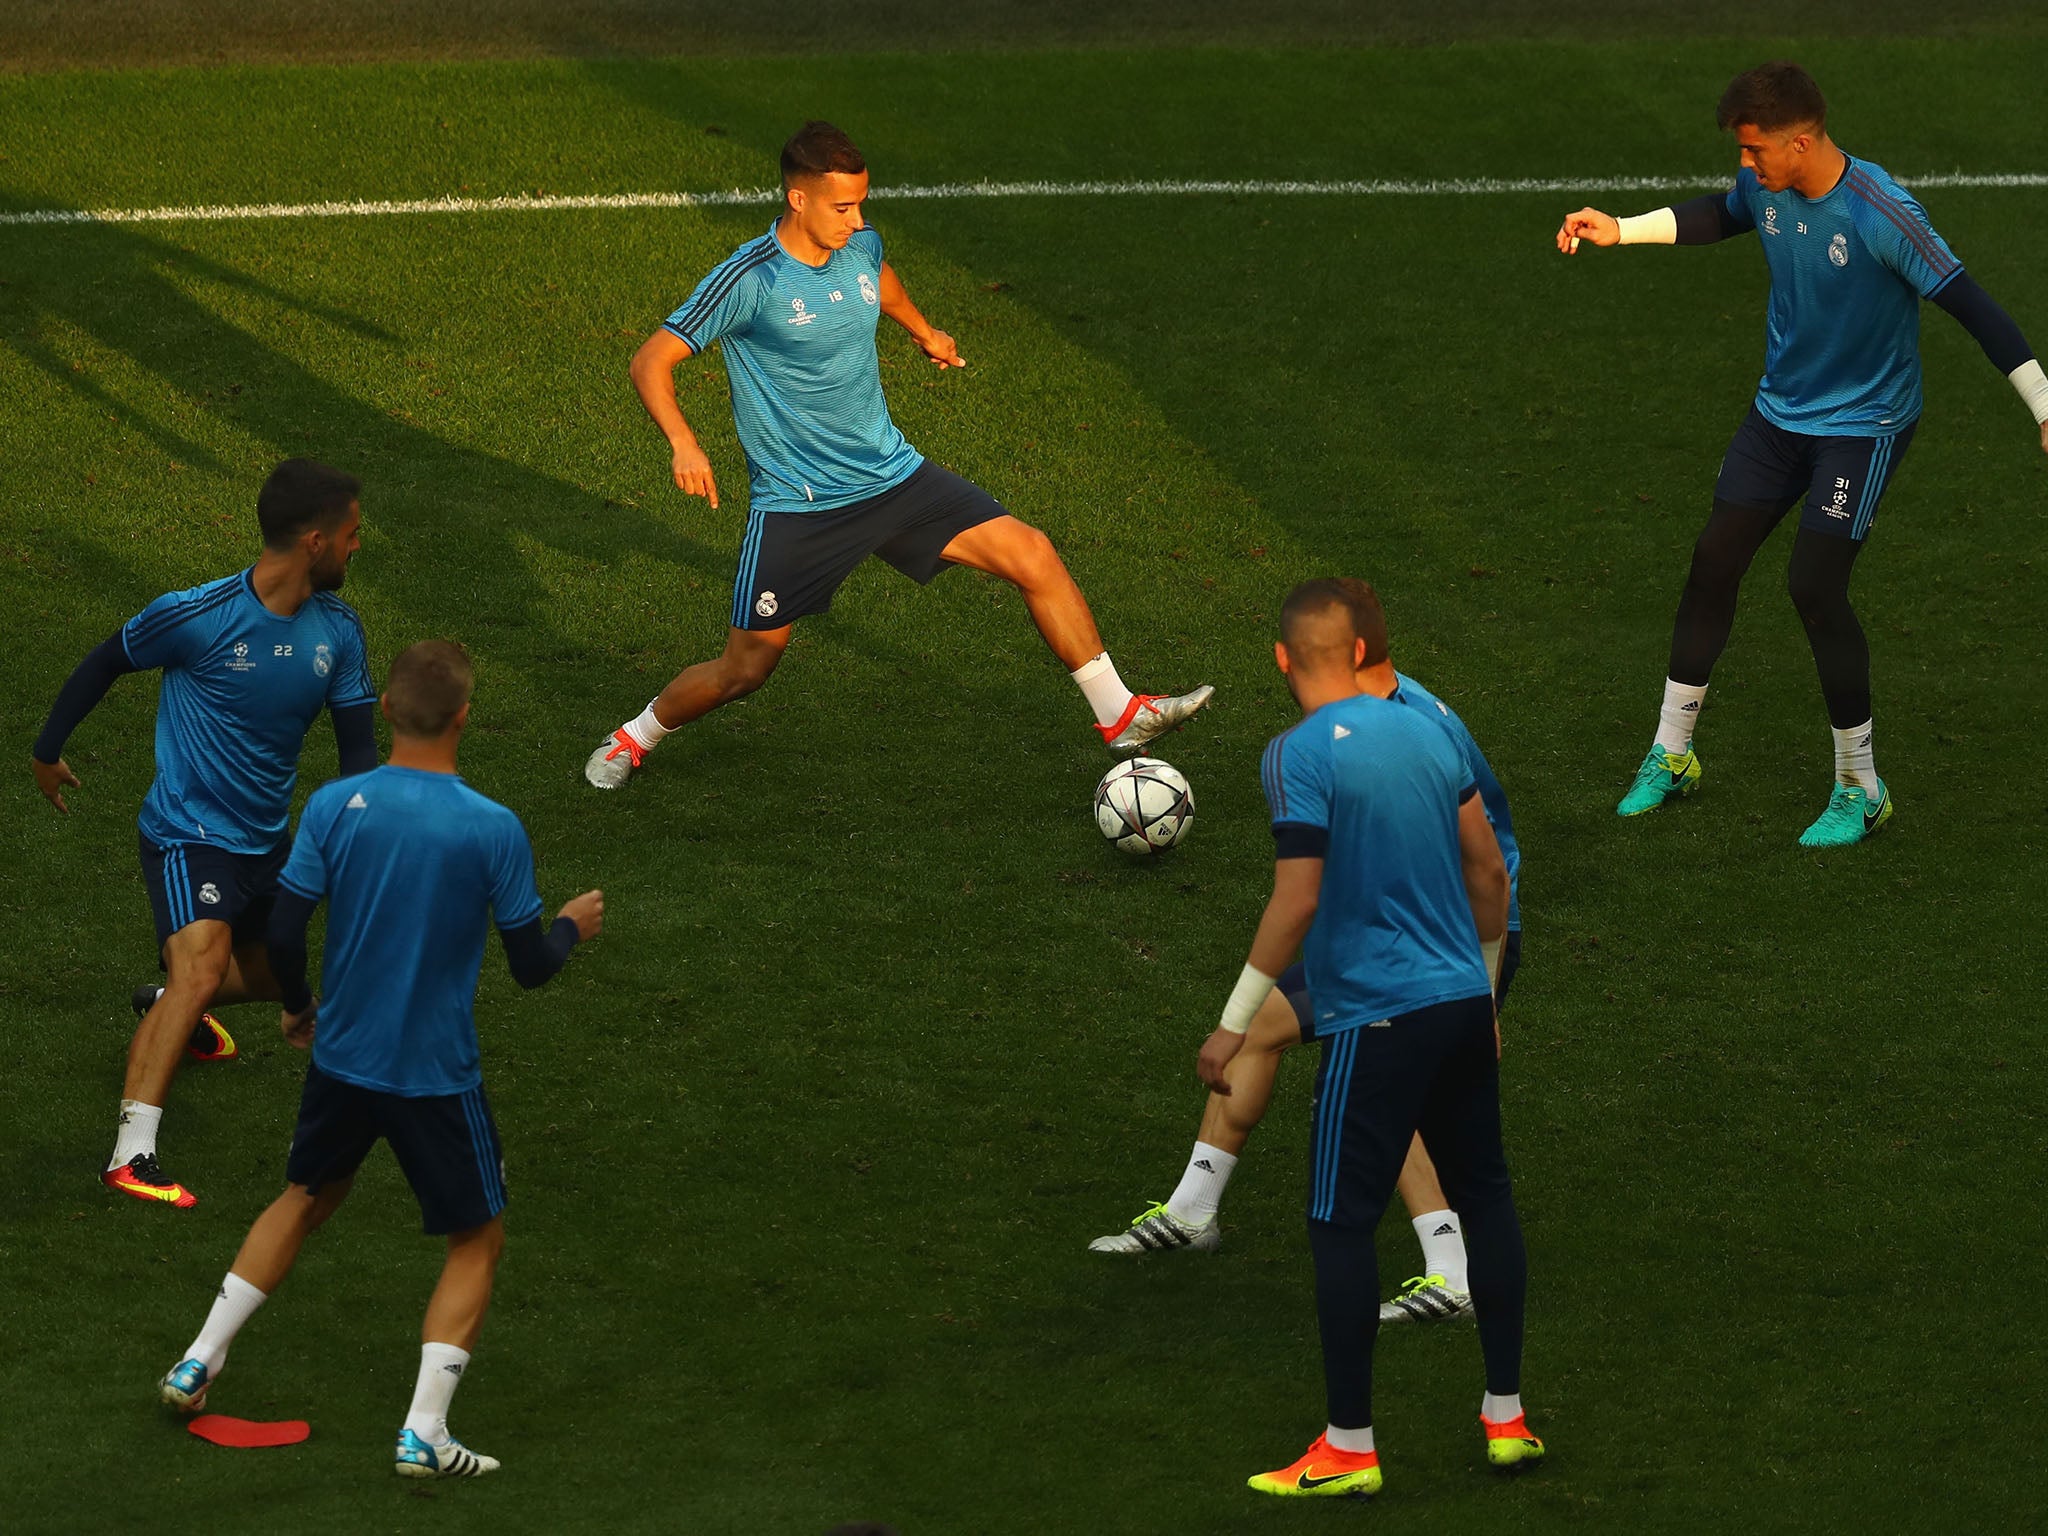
{"x":264,"y":1259}
{"x":749,"y":658}
{"x":1188,"y":1220}
{"x":1026,"y":558}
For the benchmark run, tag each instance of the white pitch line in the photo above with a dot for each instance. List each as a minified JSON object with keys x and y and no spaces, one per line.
{"x":1468,"y":186}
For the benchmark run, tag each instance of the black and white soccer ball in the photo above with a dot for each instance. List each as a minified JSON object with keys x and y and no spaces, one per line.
{"x":1144,"y":806}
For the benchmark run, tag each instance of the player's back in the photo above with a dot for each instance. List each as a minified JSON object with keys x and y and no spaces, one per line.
{"x":414,"y":864}
{"x":1393,"y":930}
{"x":1415,"y":696}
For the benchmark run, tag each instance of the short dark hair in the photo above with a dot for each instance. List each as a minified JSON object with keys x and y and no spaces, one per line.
{"x":1773,"y":97}
{"x":302,"y":494}
{"x":427,"y":686}
{"x":1306,"y":604}
{"x":818,"y":149}
{"x":1367,"y":617}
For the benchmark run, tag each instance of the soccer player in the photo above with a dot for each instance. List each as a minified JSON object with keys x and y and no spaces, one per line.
{"x":833,"y":480}
{"x":1386,"y":866}
{"x":1851,"y":255}
{"x":1188,"y":1220}
{"x":413,"y":863}
{"x":248,"y":661}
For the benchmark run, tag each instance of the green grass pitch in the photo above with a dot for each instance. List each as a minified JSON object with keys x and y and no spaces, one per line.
{"x":806,"y":1150}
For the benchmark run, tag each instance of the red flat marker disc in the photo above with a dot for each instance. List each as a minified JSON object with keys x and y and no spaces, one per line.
{"x":246,"y":1434}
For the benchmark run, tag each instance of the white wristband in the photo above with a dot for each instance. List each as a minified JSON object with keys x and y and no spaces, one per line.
{"x":2032,"y":384}
{"x":1252,"y":986}
{"x":1657,"y":228}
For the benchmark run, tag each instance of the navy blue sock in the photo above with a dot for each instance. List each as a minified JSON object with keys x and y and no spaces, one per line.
{"x":1348,"y":1314}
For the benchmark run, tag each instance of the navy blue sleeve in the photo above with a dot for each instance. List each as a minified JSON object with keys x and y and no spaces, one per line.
{"x":1984,"y":318}
{"x":355,"y":737}
{"x":534,"y":956}
{"x":286,"y":941}
{"x":86,"y":686}
{"x":1298,"y":840}
{"x":1704,"y":220}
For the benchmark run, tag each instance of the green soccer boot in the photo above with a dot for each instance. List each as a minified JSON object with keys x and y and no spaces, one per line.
{"x":1663,"y":776}
{"x":1853,"y":813}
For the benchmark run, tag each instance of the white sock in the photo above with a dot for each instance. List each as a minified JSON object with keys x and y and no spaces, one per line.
{"x":1103,"y":689}
{"x":1500,"y":1410}
{"x":1679,"y":714}
{"x":441,"y":1368}
{"x":1855,"y":763}
{"x":137,"y":1133}
{"x":1201,"y":1187}
{"x":234,"y":1306}
{"x":1443,"y":1247}
{"x":645,"y":729}
{"x":1357,"y":1441}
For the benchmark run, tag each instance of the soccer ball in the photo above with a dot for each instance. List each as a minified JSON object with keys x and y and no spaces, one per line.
{"x":1144,"y":806}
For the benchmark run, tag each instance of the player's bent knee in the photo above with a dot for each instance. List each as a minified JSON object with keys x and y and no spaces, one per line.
{"x":197,"y":958}
{"x":1041,"y":561}
{"x":1820,"y":597}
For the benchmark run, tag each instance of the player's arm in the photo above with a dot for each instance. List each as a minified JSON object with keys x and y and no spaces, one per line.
{"x":534,"y":955}
{"x":1290,"y":911}
{"x":355,"y":737}
{"x":654,"y":376}
{"x":1697,"y":221}
{"x":87,"y":685}
{"x":285,"y":939}
{"x":937,"y":345}
{"x":1485,"y":871}
{"x":2002,"y":340}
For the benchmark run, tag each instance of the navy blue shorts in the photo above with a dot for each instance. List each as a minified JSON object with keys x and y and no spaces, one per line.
{"x":1293,"y":985}
{"x":190,"y":882}
{"x":447,"y":1145}
{"x":792,"y":562}
{"x":1432,"y":1071}
{"x":1841,"y":478}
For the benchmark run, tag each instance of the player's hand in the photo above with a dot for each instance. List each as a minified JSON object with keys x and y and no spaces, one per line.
{"x":297,"y":1028}
{"x":1496,"y":1034}
{"x":1587,"y":224}
{"x":693,"y":474}
{"x":2044,"y":449}
{"x":54,"y":778}
{"x":1217,"y":1053}
{"x":939,"y":347}
{"x":587,"y":913}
